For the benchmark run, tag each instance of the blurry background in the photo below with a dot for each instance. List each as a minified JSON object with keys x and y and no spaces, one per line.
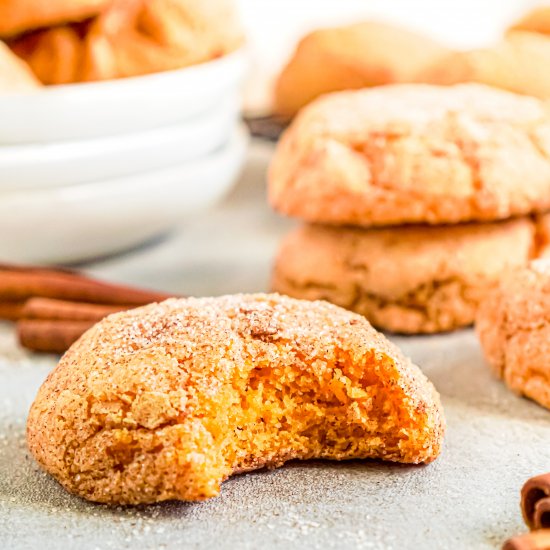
{"x":274,"y":27}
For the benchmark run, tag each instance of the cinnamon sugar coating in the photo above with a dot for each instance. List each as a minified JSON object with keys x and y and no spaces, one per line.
{"x":412,"y":279}
{"x":414,"y":154}
{"x":166,"y":401}
{"x":513,"y":325}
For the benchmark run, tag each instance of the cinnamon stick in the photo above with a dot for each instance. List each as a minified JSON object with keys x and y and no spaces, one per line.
{"x":536,"y":540}
{"x":50,"y":336}
{"x":21,"y":284}
{"x":55,"y":306}
{"x":535,"y":502}
{"x":11,"y":311}
{"x":51,"y":309}
{"x":54,"y":325}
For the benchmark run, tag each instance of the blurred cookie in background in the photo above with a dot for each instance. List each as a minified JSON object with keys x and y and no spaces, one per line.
{"x":19,"y":16}
{"x":517,"y":63}
{"x":537,"y":20}
{"x":55,"y":55}
{"x":131,"y":38}
{"x":15,"y":74}
{"x":160,"y":35}
{"x":356,"y":56}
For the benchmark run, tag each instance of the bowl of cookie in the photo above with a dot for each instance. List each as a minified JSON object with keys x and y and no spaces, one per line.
{"x":110,"y":103}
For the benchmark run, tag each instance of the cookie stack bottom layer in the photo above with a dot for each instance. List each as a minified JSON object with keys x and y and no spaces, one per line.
{"x":406,"y":279}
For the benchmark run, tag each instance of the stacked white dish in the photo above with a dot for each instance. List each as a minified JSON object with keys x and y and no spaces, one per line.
{"x":92,"y":169}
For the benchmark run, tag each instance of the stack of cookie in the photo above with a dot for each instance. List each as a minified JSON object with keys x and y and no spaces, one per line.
{"x":417,"y":198}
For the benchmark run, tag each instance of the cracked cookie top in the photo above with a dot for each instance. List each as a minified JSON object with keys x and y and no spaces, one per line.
{"x":414,"y":154}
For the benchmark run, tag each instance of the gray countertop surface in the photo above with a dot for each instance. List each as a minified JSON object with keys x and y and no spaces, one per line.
{"x":467,"y":499}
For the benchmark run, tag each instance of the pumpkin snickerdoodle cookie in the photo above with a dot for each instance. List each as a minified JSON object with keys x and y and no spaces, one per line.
{"x":166,"y":401}
{"x":415,"y":279}
{"x":414,"y":154}
{"x":368,"y":53}
{"x":513,"y":325}
{"x":516,"y":63}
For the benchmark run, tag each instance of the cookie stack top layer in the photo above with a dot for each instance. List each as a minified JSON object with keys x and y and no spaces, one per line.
{"x":414,"y":154}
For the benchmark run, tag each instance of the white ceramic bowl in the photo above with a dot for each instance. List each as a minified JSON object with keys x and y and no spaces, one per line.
{"x":79,"y":222}
{"x":62,"y":163}
{"x":79,"y":111}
